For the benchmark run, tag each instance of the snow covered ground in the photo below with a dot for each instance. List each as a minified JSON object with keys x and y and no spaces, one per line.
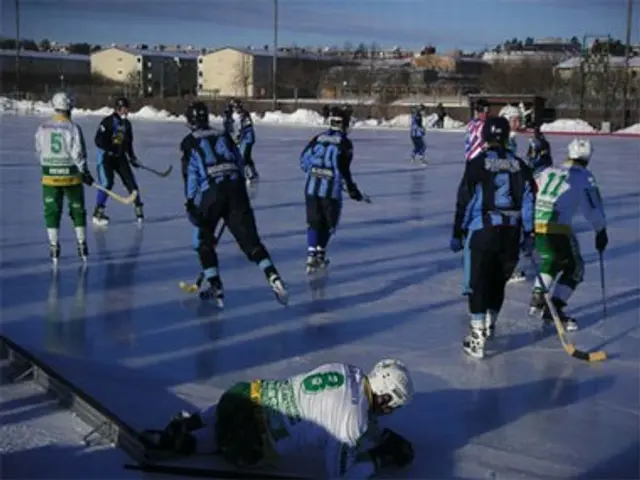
{"x":130,"y":337}
{"x":300,"y":117}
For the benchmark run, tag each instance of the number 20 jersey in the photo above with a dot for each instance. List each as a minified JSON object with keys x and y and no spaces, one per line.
{"x":561,"y":192}
{"x":326,"y":408}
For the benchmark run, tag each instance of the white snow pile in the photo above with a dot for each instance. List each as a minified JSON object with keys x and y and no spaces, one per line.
{"x":632,"y":130}
{"x":567,"y":125}
{"x":301,"y":117}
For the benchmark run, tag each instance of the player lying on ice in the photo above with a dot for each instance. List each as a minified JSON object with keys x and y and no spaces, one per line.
{"x":331,"y":409}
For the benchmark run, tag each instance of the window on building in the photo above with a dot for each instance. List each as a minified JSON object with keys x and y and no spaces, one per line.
{"x":201,"y":61}
{"x":119,"y":59}
{"x":120,"y":72}
{"x":139,"y":60}
{"x":200,"y":86}
{"x":200,"y":73}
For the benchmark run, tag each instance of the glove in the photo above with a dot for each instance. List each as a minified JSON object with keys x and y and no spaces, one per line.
{"x":354,"y":193}
{"x":87,"y":179}
{"x":393,"y":450}
{"x":455,"y":244}
{"x":135,"y":163}
{"x":602,"y":240}
{"x":195,"y":217}
{"x":528,"y":242}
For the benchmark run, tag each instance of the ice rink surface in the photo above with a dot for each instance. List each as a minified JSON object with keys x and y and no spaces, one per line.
{"x":127,"y":334}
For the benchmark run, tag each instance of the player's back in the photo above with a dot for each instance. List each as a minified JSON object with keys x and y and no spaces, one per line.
{"x":58,"y":140}
{"x":327,"y":402}
{"x":321,"y":162}
{"x":561,"y":190}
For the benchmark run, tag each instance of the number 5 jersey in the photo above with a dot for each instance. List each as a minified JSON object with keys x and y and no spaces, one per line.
{"x":562,"y":191}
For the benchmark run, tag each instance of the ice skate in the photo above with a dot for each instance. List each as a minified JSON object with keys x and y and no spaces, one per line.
{"x":139,"y":214}
{"x":490,"y":324}
{"x":517,"y":277}
{"x":473,"y":344}
{"x":100,"y":219}
{"x":251,"y":175}
{"x":312,"y":263}
{"x":54,"y":253}
{"x":279,"y":290}
{"x":568,"y":322}
{"x":214,"y":292}
{"x":83,"y":252}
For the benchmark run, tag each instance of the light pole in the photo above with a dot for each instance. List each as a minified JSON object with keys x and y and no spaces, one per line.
{"x":274,"y":73}
{"x":17,"y":45}
{"x":627,"y":73}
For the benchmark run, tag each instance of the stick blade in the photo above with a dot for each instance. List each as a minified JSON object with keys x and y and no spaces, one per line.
{"x":589,"y":356}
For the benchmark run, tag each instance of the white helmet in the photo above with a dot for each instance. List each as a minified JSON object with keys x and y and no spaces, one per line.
{"x":510,"y":112}
{"x":62,"y":102}
{"x":392,"y":377}
{"x":580,"y":149}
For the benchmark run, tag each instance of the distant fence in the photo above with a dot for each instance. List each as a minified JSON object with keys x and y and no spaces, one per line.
{"x":364,"y":108}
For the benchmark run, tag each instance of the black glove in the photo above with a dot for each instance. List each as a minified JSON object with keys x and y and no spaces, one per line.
{"x":87,"y":179}
{"x":602,"y":240}
{"x":393,"y":450}
{"x":354,"y":193}
{"x":177,"y":437}
{"x":135,"y":163}
{"x":194,"y":213}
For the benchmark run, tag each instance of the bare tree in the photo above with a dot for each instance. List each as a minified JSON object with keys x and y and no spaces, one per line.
{"x":243,"y":77}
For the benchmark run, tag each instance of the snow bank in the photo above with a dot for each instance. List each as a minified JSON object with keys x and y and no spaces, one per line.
{"x":632,"y":130}
{"x":567,"y":125}
{"x":301,"y":117}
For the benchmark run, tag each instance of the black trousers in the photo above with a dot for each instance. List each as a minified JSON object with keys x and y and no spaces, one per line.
{"x":494,"y":253}
{"x":323,"y":214}
{"x":228,"y":201}
{"x":109,"y":166}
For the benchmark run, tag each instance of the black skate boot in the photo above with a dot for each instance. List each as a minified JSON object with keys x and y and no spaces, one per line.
{"x":214,"y":292}
{"x":473,"y":344}
{"x":83,"y":252}
{"x":321,"y":257}
{"x":537,"y":305}
{"x":139,"y":213}
{"x":100,"y":218}
{"x":54,"y":253}
{"x":568,"y":322}
{"x":312,"y":262}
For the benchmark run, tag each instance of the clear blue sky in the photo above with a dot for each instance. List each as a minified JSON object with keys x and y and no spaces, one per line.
{"x":467,"y":24}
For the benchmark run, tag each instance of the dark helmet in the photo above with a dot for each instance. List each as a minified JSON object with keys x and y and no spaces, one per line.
{"x":496,"y":131}
{"x":481,"y":106}
{"x":121,"y":102}
{"x":338,"y":118}
{"x":197,"y":115}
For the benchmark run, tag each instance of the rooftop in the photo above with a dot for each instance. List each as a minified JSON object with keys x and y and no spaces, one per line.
{"x":47,"y":55}
{"x":154,"y":53}
{"x":281,"y":54}
{"x":634,"y":62}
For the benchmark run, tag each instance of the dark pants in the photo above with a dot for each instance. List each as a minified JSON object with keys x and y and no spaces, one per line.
{"x":323,"y":216}
{"x":108,"y":166}
{"x":494,"y":254}
{"x":228,"y":201}
{"x":239,"y":430}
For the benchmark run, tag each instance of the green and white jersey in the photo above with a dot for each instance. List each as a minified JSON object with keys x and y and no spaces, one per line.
{"x":327,"y":408}
{"x":561,"y":192}
{"x":61,"y":151}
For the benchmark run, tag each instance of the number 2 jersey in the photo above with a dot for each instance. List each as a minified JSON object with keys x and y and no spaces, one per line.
{"x":328,"y":409}
{"x":62,"y":152}
{"x":327,"y":162}
{"x":562,"y":190}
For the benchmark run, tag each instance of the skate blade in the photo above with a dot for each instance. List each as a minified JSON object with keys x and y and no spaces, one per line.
{"x":188,"y":287}
{"x":473,"y":353}
{"x":517,"y":280}
{"x":99,"y":223}
{"x":281,"y":296}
